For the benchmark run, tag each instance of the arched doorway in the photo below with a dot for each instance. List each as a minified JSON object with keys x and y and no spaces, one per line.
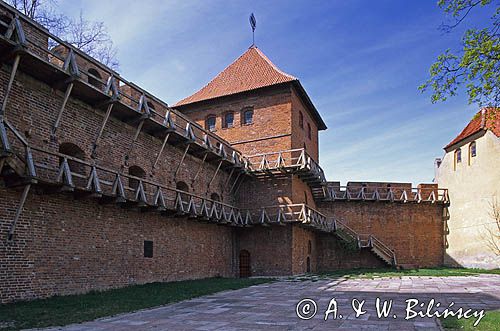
{"x":244,"y":263}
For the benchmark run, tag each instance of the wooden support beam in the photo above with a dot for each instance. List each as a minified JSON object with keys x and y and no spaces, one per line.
{"x":101,"y":130}
{"x":70,"y":64}
{"x":159,"y":200}
{"x":9,"y":85}
{"x":235,"y":181}
{"x":229,"y":177}
{"x":215,"y":174}
{"x":136,"y":135}
{"x":4,"y":139}
{"x":15,"y":30}
{"x":200,"y":167}
{"x":69,"y":88}
{"x":118,"y":190}
{"x":65,"y":177}
{"x":24,"y":195}
{"x":140,"y":195}
{"x":93,"y":182}
{"x":182,"y":160}
{"x":161,"y":149}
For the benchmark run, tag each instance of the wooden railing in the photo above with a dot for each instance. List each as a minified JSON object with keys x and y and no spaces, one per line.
{"x":64,"y":173}
{"x":293,"y":160}
{"x":393,"y":194}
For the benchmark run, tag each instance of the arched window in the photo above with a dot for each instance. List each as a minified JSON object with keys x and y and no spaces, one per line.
{"x":182,"y":186}
{"x":215,"y":197}
{"x":309,"y":131}
{"x":136,"y":172}
{"x":94,"y":78}
{"x":210,"y":123}
{"x":301,"y":120}
{"x":247,"y":116}
{"x":229,"y":120}
{"x":76,"y":152}
{"x":472,"y":150}
{"x":458,"y":157}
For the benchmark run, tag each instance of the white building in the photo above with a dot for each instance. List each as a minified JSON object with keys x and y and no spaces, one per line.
{"x":470,"y":170}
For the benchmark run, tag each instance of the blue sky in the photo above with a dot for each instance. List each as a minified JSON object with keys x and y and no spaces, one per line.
{"x":360,"y":61}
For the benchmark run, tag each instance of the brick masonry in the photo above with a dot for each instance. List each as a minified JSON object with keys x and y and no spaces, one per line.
{"x":416,"y":232}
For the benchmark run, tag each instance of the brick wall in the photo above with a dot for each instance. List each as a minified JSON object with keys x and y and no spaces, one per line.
{"x":271,"y":118}
{"x":304,"y":247}
{"x":414,"y":231}
{"x":300,"y":137}
{"x":270,"y":249}
{"x":64,"y":246}
{"x":332,"y":255}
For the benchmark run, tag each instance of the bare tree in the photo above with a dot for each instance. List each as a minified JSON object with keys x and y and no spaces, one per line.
{"x":493,"y":233}
{"x":91,"y":37}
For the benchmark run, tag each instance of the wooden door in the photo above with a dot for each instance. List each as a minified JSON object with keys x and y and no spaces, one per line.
{"x":244,"y":264}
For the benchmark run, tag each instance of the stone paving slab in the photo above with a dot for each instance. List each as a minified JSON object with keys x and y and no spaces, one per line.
{"x":273,"y":306}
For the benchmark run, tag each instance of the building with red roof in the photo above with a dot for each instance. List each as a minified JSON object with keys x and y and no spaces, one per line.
{"x":470,"y":169}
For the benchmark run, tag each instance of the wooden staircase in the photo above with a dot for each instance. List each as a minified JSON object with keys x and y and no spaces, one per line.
{"x":362,"y":241}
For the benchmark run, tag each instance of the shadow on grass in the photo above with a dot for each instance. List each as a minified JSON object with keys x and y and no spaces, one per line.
{"x":63,"y":310}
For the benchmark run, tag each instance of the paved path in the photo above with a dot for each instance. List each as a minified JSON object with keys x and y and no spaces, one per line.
{"x":273,"y":306}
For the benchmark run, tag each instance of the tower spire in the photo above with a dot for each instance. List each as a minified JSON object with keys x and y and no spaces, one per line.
{"x":253,"y":24}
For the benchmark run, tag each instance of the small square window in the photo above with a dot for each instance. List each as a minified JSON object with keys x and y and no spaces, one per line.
{"x":229,"y":120}
{"x":248,"y":116}
{"x":148,"y":248}
{"x":210,"y":123}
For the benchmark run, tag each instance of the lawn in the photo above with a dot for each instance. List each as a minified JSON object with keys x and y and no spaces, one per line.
{"x":69,"y":309}
{"x":490,"y":322}
{"x":374,"y":273}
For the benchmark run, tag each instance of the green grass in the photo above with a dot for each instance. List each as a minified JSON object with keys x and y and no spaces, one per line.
{"x":490,"y":322}
{"x":434,"y":272}
{"x":69,"y":309}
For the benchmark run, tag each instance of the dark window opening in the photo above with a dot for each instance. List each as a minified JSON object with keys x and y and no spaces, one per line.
{"x":94,"y":78}
{"x":229,"y":120}
{"x":210,"y":123}
{"x":309,"y":247}
{"x":148,"y":248}
{"x":76,"y":152}
{"x":136,"y":172}
{"x":248,"y":116}
{"x":215,"y":197}
{"x":308,"y":264}
{"x":182,"y":186}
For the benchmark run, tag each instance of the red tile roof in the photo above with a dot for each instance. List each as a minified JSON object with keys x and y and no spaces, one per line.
{"x":250,"y":71}
{"x":486,"y":119}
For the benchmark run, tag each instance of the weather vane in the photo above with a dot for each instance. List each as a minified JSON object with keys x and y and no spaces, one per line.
{"x":253,"y":24}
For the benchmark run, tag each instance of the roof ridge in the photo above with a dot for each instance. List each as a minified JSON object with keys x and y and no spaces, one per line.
{"x":272,"y":64}
{"x":211,"y":80}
